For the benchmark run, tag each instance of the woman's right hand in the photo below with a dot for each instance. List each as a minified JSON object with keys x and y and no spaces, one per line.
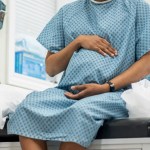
{"x":98,"y":44}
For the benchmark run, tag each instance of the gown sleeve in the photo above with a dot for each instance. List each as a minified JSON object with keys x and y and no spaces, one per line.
{"x":52,"y":36}
{"x":142,"y":29}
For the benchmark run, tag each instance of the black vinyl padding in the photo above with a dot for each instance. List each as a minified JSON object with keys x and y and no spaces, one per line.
{"x":125,"y":128}
{"x":121,"y":128}
{"x":4,"y":137}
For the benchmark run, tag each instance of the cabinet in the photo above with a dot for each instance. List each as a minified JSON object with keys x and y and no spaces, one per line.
{"x":121,"y":144}
{"x":114,"y":144}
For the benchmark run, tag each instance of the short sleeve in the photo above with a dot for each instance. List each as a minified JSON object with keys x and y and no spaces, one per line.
{"x":52,"y":36}
{"x":142,"y":29}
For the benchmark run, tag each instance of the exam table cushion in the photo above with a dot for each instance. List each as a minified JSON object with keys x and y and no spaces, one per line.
{"x":122,"y":128}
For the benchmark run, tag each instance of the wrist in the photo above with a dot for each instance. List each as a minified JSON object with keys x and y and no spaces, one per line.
{"x":79,"y":41}
{"x":106,"y":87}
{"x":103,"y":88}
{"x":75,"y":45}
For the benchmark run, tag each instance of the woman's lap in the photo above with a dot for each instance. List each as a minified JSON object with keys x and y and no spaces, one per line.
{"x":49,"y":115}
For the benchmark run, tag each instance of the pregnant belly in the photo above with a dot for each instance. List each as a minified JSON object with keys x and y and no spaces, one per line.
{"x":84,"y":67}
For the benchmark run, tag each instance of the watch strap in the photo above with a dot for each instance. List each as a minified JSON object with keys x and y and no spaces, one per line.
{"x":111,"y":85}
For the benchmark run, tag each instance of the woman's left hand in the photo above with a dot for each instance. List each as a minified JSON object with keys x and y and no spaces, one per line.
{"x":86,"y":90}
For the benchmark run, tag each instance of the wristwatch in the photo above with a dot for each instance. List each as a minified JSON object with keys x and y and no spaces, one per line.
{"x":111,"y":85}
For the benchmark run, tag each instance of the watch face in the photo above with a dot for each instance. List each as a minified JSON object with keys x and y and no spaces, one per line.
{"x":112,"y":85}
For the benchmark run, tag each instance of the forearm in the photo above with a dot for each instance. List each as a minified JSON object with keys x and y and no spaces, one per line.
{"x":137,"y":71}
{"x":58,"y":62}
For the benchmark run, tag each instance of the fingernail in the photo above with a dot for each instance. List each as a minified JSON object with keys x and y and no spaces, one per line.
{"x":112,"y":55}
{"x":66,"y":93}
{"x":105,"y":54}
{"x":73,"y":87}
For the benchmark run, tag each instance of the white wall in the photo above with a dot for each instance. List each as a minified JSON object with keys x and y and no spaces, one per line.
{"x":60,"y":3}
{"x":148,"y":1}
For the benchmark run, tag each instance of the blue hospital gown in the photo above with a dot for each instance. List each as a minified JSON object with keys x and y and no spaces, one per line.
{"x":49,"y":115}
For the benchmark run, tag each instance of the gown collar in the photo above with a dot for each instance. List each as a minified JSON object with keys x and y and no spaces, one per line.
{"x":96,"y":2}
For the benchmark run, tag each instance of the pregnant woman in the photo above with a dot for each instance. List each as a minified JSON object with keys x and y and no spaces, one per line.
{"x":102,"y":46}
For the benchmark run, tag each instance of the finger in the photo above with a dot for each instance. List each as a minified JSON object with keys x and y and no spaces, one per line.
{"x":105,"y":41}
{"x":99,"y":50}
{"x":78,"y":96}
{"x":81,"y":94}
{"x":106,"y":44}
{"x":78,"y":87}
{"x":69,"y":95}
{"x":114,"y":51}
{"x":107,"y":51}
{"x":111,"y":49}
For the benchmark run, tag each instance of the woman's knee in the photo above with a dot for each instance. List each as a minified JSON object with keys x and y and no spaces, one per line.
{"x":27,"y":139}
{"x":29,"y":143}
{"x":23,"y":138}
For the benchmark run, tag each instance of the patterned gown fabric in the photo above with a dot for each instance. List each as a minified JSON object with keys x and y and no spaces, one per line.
{"x":49,"y":115}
